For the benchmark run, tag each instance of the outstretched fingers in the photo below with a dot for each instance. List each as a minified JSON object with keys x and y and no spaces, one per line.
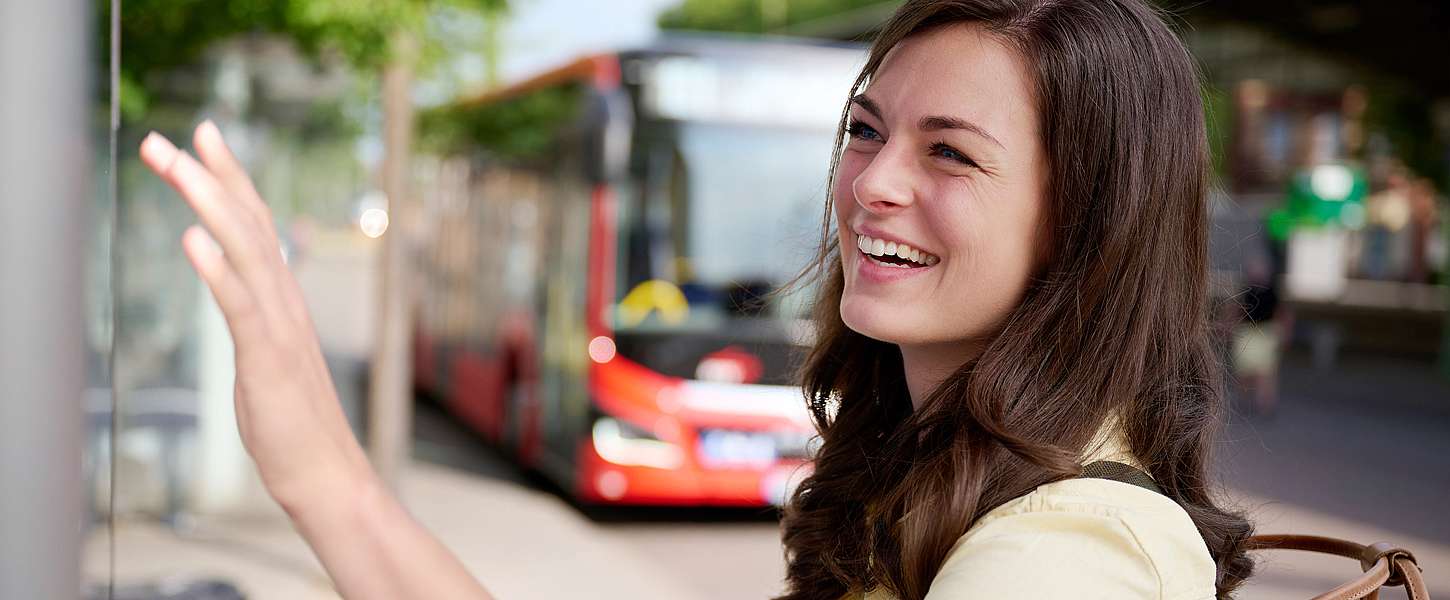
{"x":212,"y":149}
{"x":219,"y":213}
{"x":252,"y":252}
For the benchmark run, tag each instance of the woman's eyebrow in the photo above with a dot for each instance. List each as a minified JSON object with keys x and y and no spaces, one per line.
{"x":868,"y":105}
{"x":929,"y":123}
{"x":938,"y":123}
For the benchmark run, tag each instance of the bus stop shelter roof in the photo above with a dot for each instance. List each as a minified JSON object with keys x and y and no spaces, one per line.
{"x":1407,"y":40}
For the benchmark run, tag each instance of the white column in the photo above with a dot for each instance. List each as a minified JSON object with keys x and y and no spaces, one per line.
{"x":225,"y":479}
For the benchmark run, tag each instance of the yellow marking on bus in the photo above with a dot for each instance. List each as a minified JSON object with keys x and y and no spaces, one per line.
{"x":653,"y":295}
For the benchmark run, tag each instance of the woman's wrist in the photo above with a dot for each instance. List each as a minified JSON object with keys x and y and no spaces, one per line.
{"x":364,"y":536}
{"x":343,"y":486}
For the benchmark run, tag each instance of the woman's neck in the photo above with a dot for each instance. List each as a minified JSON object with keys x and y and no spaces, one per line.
{"x":926,"y":366}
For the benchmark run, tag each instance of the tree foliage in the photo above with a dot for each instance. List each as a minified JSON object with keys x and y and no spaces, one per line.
{"x":159,"y":35}
{"x":757,"y":16}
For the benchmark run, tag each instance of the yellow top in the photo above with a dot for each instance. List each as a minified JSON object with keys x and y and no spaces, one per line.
{"x":1080,"y":539}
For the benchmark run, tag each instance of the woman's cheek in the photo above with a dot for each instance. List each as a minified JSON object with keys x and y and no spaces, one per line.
{"x":1004,"y":271}
{"x":842,"y":200}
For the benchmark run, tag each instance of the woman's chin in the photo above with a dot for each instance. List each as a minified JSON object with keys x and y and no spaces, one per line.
{"x":878,"y":321}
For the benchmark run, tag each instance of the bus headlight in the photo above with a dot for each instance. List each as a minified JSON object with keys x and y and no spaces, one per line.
{"x":625,"y":444}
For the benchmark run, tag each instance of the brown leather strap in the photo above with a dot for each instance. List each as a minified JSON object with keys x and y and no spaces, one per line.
{"x":1374,"y":552}
{"x":1383,"y":564}
{"x":1414,"y":579}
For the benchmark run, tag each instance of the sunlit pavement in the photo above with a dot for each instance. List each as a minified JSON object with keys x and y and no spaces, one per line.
{"x":262,"y":556}
{"x":522,"y":543}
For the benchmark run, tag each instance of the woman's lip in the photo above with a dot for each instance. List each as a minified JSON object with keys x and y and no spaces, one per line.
{"x":876,"y":273}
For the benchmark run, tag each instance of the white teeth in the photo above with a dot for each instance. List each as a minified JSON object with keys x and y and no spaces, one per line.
{"x":882,"y":248}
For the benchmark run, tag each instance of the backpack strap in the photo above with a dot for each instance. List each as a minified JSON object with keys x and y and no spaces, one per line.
{"x":1116,"y":471}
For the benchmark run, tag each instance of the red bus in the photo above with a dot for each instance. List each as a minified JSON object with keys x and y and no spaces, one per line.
{"x":599,"y":242}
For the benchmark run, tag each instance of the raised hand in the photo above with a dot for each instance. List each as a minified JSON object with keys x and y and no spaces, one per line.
{"x":287,"y":408}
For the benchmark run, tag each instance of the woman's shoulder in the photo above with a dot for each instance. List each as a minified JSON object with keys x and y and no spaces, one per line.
{"x":1102,"y":497}
{"x":1081,"y":538}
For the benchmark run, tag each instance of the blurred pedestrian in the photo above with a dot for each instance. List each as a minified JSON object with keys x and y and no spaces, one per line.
{"x":1423,"y":225}
{"x":1258,"y":336}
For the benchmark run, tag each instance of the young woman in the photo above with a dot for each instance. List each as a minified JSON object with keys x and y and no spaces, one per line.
{"x":1014,"y":287}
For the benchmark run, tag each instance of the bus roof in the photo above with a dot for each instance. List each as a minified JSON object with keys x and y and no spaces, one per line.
{"x":603,"y":70}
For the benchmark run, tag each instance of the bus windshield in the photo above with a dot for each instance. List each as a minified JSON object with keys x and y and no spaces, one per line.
{"x":724,"y":214}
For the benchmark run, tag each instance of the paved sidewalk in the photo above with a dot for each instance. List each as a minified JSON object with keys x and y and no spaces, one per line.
{"x":523,"y":544}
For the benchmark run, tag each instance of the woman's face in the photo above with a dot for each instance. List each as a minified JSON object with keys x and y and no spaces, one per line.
{"x":943,"y":156}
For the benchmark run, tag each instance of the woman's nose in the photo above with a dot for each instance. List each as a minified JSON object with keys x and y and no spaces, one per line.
{"x":885,"y":185}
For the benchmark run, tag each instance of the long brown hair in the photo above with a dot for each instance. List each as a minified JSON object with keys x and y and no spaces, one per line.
{"x":1116,"y":323}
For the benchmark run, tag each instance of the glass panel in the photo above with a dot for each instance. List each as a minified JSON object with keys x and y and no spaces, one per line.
{"x":97,"y":401}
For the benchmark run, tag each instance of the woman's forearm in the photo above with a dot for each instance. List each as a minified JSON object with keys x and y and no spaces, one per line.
{"x":373,"y":549}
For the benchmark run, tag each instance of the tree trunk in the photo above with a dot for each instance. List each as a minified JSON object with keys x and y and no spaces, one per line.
{"x":390,"y":402}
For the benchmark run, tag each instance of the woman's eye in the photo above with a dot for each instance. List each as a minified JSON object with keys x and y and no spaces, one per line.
{"x":862,"y":131}
{"x":949,"y":153}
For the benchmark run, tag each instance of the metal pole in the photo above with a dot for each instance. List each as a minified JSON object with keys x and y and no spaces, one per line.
{"x":45,"y":185}
{"x":390,"y":399}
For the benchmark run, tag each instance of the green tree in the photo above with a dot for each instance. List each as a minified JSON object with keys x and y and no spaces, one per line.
{"x":161,"y":35}
{"x":806,"y":17}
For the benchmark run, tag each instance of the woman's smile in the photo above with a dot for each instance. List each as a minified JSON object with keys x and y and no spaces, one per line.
{"x":894,"y":254}
{"x":883,"y":260}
